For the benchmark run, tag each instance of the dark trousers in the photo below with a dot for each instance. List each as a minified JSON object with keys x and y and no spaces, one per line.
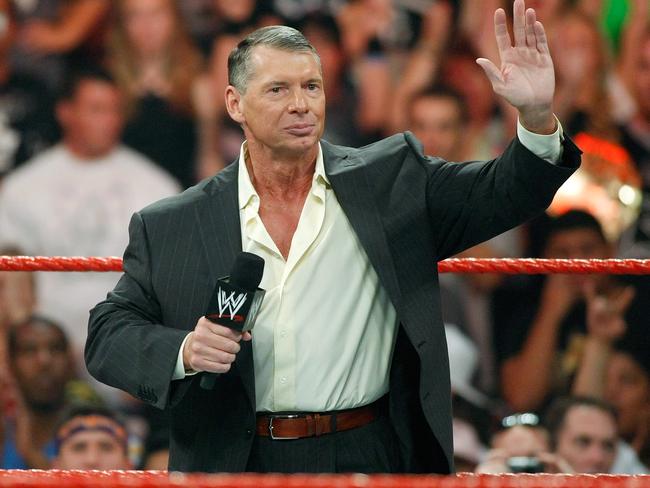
{"x":371,"y":448}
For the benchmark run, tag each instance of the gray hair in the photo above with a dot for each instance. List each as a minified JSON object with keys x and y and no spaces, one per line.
{"x":275,"y":36}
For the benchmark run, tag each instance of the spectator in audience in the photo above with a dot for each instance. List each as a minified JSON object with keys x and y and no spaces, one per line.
{"x":91,"y":437}
{"x":41,"y":363}
{"x":155,"y":64}
{"x":17,"y":303}
{"x":421,"y":69}
{"x":76,"y":198}
{"x":366,"y":29}
{"x":619,"y":372}
{"x":540,"y":323}
{"x":582,"y":73}
{"x":487,"y":133}
{"x":583,"y":431}
{"x":57,"y":35}
{"x":627,"y":387}
{"x":522,"y":445}
{"x":438,"y":118}
{"x":26,"y":122}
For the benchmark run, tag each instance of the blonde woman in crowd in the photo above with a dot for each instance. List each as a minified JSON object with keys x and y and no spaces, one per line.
{"x":155,"y":63}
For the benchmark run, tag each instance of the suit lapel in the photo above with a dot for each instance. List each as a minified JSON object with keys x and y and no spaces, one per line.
{"x":348,"y":175}
{"x":217,"y":216}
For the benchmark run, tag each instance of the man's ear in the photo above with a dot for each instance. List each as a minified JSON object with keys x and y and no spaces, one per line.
{"x":63,"y":112}
{"x":234,"y":104}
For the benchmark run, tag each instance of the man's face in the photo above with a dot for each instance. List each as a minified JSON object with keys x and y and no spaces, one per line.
{"x":579,"y":243}
{"x":642,"y":79}
{"x":92,"y":120}
{"x":282,"y":110}
{"x":41,"y":365}
{"x":627,"y":387}
{"x":437,"y":123}
{"x":92,"y":449}
{"x":587,"y":440}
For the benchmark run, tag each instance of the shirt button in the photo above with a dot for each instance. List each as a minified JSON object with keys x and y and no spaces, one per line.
{"x":283,"y":380}
{"x":283,"y":333}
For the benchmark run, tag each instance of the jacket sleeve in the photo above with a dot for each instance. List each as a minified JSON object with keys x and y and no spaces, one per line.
{"x":127,"y":346}
{"x":472,"y":202}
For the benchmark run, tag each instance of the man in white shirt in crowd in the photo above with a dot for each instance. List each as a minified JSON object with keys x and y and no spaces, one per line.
{"x":76,"y":198}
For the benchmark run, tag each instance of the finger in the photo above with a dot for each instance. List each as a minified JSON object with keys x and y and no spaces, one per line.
{"x":531,"y":41}
{"x":589,"y":290}
{"x":623,"y":300}
{"x":247,"y":336}
{"x":204,"y":364}
{"x":501,"y":32}
{"x":493,"y":73}
{"x":220,"y":330}
{"x":540,"y":36}
{"x":519,"y":23}
{"x":202,"y":340}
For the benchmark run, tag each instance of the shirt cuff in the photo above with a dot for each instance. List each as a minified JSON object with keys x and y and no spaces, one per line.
{"x":546,"y":146}
{"x":179,"y":370}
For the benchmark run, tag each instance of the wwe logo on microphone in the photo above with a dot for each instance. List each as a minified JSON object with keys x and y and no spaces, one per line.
{"x":231,"y":304}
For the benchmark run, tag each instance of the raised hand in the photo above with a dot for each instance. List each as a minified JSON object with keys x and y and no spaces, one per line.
{"x":605,"y":314}
{"x":526,"y":78}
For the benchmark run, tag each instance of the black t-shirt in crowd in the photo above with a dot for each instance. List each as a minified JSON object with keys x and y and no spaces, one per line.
{"x":165,"y":136}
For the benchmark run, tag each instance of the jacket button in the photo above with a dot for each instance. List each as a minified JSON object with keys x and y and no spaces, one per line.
{"x":249,"y":432}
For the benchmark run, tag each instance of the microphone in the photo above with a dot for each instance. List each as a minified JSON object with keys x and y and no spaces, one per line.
{"x":236,"y":300}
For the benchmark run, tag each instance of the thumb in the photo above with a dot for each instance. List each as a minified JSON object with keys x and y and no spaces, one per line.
{"x":493,"y":73}
{"x":246,"y":336}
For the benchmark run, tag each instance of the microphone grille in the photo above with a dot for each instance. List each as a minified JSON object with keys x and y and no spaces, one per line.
{"x":247,"y":271}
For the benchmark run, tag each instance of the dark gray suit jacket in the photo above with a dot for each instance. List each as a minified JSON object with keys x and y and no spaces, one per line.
{"x":408,"y":210}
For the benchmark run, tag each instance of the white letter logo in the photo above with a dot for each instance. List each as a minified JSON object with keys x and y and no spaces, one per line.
{"x":230,"y":303}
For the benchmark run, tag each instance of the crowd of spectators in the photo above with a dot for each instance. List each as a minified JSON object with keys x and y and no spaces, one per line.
{"x":106,"y":106}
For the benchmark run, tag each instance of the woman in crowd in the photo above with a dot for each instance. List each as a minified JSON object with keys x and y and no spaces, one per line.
{"x":156,"y":65}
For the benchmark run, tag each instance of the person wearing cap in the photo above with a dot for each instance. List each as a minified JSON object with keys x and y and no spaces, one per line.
{"x":91,"y":437}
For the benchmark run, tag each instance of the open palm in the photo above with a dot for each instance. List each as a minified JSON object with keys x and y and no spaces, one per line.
{"x":526,"y":78}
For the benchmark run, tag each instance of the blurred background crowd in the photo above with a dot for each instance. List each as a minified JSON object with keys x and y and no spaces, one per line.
{"x":106,"y":106}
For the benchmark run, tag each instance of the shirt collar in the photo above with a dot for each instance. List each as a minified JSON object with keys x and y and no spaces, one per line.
{"x":247,"y":193}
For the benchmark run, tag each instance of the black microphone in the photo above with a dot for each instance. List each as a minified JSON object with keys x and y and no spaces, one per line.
{"x":236,"y":300}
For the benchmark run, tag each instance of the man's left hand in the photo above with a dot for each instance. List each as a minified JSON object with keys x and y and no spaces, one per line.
{"x":526,"y":78}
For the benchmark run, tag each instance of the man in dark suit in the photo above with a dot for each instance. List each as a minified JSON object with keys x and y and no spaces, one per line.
{"x":348,"y":370}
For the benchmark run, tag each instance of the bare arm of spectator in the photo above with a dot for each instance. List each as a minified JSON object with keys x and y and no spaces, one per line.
{"x":26,"y":436}
{"x":75,"y":23}
{"x":423,"y":63}
{"x":605,"y":324}
{"x":527,"y":391}
{"x":208,"y":113}
{"x":360,"y":23}
{"x":638,"y":20}
{"x":374,"y":86}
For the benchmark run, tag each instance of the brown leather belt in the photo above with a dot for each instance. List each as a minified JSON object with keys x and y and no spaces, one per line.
{"x":299,"y":425}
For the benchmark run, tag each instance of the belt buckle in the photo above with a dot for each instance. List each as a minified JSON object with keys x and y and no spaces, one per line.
{"x":280,"y":438}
